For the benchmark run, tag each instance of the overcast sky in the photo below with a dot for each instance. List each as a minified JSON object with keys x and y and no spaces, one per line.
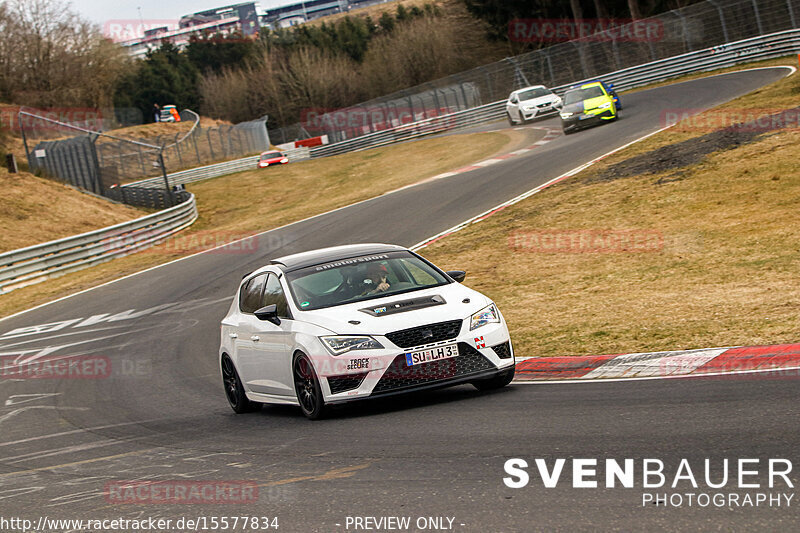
{"x":101,"y":11}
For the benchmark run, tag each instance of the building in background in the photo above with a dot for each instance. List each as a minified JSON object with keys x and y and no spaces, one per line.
{"x":247,"y":19}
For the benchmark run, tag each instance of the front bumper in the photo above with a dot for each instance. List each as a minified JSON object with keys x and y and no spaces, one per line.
{"x":538,"y":112}
{"x":586,"y":119}
{"x":482,"y":353}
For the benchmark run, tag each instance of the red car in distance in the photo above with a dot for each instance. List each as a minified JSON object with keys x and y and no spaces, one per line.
{"x":272,"y":158}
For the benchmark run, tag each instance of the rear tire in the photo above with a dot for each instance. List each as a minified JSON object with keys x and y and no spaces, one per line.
{"x":234,"y":390}
{"x":307,"y":388}
{"x":497,"y":382}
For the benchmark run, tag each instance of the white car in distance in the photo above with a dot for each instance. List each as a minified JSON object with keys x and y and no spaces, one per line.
{"x":533,"y":102}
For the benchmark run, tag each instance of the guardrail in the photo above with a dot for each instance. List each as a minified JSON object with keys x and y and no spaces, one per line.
{"x":764,"y":47}
{"x":215,"y":170}
{"x":34,"y":264}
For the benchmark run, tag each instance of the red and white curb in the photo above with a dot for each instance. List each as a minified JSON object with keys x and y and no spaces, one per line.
{"x":656,"y":365}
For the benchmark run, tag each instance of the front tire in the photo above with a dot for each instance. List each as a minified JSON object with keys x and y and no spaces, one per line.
{"x":497,"y":382}
{"x":234,"y":390}
{"x":307,"y":388}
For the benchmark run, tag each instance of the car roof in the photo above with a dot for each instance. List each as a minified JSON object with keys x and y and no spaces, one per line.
{"x":531,"y":87}
{"x":585,"y":85}
{"x":335,"y":253}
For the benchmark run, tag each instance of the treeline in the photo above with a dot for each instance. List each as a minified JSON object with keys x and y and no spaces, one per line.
{"x":285,"y":71}
{"x":498,"y":13}
{"x":51,"y":57}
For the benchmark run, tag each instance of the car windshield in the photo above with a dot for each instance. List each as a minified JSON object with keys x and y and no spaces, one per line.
{"x":530,"y":94}
{"x":579,"y":95}
{"x":270,"y":155}
{"x":361,"y":278}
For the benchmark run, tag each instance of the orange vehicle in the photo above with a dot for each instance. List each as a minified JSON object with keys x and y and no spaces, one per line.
{"x":169,"y":113}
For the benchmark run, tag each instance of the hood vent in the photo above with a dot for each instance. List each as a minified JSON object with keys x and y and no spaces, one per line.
{"x":401,"y":306}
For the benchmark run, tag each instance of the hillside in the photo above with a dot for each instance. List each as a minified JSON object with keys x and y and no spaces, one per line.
{"x":30,"y":214}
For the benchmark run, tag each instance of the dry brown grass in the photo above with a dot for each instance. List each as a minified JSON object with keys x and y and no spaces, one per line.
{"x":299,"y":190}
{"x":35,"y":210}
{"x":727,"y":273}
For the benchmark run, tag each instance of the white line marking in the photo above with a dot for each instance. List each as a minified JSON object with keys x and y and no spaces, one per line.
{"x":17,"y":399}
{"x":648,"y":378}
{"x":15,"y":412}
{"x":79,"y":430}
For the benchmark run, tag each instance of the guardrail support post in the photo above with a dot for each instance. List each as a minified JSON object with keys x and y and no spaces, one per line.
{"x":791,"y":13}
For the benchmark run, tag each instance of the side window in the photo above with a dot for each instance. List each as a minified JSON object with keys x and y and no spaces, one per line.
{"x":273,"y":294}
{"x":250,"y":296}
{"x":420,"y":276}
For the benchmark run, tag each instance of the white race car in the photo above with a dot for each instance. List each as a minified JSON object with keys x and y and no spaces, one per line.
{"x":351,"y":322}
{"x":530,"y":103}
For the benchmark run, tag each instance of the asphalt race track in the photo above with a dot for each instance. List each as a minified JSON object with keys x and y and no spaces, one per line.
{"x":161,"y":414}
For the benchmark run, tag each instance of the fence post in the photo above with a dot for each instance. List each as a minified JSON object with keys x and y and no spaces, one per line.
{"x":722,"y":20}
{"x":178,"y":149}
{"x":758,"y":17}
{"x":791,"y":13}
{"x":196,"y":149}
{"x":685,"y":31}
{"x":31,"y":165}
{"x":167,"y":190}
{"x":141,"y":161}
{"x":210,"y":146}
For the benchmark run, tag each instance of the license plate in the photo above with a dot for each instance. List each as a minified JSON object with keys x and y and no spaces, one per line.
{"x":431,"y":354}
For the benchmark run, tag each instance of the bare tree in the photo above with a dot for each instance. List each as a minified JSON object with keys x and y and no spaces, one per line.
{"x":52,"y":57}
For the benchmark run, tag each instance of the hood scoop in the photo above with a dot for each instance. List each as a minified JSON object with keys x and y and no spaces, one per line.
{"x":401,"y":306}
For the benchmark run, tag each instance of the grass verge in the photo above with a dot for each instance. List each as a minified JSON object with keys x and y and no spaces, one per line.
{"x":699,"y":256}
{"x":29,"y":215}
{"x":254,"y":201}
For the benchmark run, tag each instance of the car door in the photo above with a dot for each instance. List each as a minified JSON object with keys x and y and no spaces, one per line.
{"x":512,"y":106}
{"x":266,"y":362}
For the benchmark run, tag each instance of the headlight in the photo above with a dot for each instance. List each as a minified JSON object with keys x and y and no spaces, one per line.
{"x":487,"y":315}
{"x":338,"y":345}
{"x":566,"y":114}
{"x":604,"y":106}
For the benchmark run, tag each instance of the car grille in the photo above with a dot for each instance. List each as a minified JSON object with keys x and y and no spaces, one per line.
{"x":503,"y":351}
{"x":401,"y":376}
{"x":543,"y":105}
{"x":346,"y":382}
{"x":441,"y":331}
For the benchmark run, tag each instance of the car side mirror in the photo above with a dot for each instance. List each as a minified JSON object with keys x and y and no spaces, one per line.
{"x":457,"y":275}
{"x":610,"y":85}
{"x":514,"y":100}
{"x":269,"y":313}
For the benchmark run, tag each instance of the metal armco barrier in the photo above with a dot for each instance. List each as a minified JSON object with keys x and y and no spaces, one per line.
{"x":215,"y":170}
{"x":747,"y":50}
{"x":34,"y":264}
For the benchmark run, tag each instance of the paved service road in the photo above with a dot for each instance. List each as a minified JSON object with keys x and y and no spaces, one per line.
{"x":161,"y":415}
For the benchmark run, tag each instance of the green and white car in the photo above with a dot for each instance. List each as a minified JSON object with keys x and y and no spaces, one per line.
{"x":586,"y":105}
